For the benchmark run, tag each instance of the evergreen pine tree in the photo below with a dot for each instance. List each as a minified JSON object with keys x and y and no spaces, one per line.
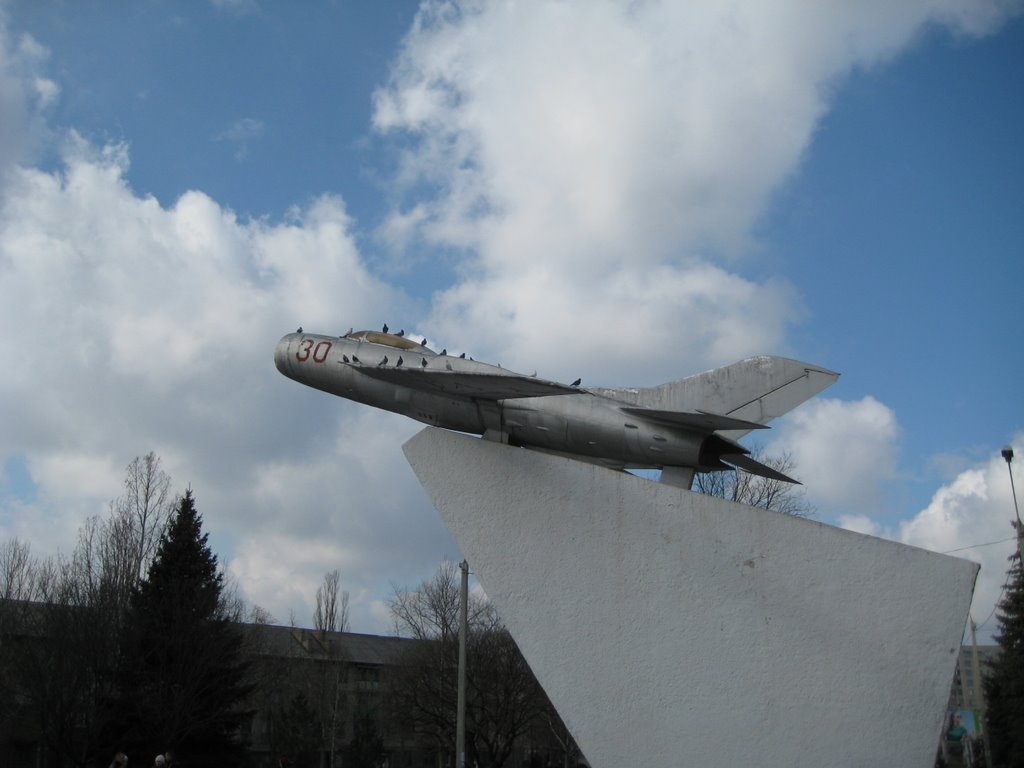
{"x":182,"y":673}
{"x":1004,"y":681}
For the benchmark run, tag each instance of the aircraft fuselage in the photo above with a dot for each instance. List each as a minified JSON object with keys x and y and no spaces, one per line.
{"x":442,"y":391}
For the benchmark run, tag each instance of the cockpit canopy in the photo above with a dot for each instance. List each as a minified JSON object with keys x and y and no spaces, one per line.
{"x":390,"y":340}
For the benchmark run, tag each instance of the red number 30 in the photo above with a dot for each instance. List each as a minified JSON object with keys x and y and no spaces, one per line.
{"x":318,"y":352}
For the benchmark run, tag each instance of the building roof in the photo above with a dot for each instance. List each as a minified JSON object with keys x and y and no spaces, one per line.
{"x":300,"y":643}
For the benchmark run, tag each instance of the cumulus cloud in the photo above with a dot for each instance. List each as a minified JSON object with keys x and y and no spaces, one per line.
{"x":25,"y":95}
{"x":592,"y":157}
{"x":845,"y":451}
{"x":599,"y":166}
{"x":969,"y":517}
{"x":145,"y":327}
{"x":976,"y":508}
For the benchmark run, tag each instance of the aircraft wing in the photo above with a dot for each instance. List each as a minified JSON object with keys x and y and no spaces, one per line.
{"x":480,"y":386}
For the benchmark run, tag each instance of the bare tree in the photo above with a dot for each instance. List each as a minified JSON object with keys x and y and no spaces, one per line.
{"x":64,"y":663}
{"x":331,"y":612}
{"x":18,"y":587}
{"x":259,"y":615}
{"x":757,"y":491}
{"x":64,"y":666}
{"x":557,"y":733}
{"x":431,"y":611}
{"x":330,"y":615}
{"x":15,"y":570}
{"x":145,"y":506}
{"x":503,"y":697}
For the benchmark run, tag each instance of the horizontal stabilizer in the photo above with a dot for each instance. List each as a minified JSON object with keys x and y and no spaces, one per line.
{"x":481,"y":386}
{"x":693,"y":419}
{"x":755,"y":467}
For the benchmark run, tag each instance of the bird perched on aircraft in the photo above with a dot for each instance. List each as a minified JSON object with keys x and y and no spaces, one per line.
{"x":681,"y":427}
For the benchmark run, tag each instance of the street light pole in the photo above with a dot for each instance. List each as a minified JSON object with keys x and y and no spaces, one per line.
{"x":460,"y":717}
{"x":1008,"y":455}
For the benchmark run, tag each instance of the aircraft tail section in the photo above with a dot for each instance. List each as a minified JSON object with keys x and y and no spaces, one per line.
{"x":757,"y":390}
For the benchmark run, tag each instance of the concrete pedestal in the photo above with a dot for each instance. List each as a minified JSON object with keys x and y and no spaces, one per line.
{"x":674,"y":629}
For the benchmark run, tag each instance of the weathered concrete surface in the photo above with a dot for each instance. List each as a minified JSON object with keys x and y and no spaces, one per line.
{"x":673,"y":629}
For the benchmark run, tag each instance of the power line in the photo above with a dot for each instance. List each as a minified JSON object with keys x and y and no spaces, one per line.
{"x":975,"y":546}
{"x":998,"y":600}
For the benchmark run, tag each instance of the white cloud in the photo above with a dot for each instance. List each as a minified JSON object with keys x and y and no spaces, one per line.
{"x":600,"y":162}
{"x":845,"y":451}
{"x":860,"y":524}
{"x":593,"y":156}
{"x":46,"y":91}
{"x":976,"y":508}
{"x":25,"y":94}
{"x":150,"y":328}
{"x":970,"y":517}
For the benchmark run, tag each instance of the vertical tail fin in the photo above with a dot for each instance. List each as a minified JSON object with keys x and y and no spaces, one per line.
{"x":757,"y":389}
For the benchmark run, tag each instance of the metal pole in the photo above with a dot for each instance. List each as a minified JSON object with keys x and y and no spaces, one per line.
{"x":460,"y":719}
{"x":1008,"y":455}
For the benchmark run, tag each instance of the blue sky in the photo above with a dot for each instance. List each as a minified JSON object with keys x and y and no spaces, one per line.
{"x":682,"y":186}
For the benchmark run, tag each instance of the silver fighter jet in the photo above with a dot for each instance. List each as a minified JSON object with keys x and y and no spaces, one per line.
{"x":682,"y":427}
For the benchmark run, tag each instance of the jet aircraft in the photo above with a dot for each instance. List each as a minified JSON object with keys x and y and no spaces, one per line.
{"x":681,"y":427}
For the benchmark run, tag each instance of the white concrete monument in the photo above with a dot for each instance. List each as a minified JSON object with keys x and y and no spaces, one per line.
{"x":674,"y":629}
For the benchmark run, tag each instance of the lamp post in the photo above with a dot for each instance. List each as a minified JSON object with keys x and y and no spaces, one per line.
{"x":460,"y":716}
{"x":1008,"y":455}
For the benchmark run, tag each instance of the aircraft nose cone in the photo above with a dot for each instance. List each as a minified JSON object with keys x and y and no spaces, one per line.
{"x":282,"y":354}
